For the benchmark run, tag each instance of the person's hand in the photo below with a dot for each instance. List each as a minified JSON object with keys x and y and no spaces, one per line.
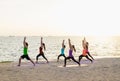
{"x":25,"y":37}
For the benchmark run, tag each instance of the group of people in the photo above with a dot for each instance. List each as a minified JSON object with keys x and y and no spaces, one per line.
{"x":25,"y":52}
{"x":85,"y":52}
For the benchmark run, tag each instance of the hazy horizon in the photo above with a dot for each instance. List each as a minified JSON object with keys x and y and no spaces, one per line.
{"x":59,"y":18}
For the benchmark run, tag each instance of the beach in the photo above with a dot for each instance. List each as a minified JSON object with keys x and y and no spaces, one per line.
{"x":43,"y":30}
{"x":102,"y":69}
{"x":105,"y":67}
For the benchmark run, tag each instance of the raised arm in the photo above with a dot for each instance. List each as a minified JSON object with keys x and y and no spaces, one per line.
{"x":84,"y":43}
{"x":43,"y":44}
{"x":24,"y":42}
{"x":41,"y":41}
{"x":63,"y":43}
{"x":69,"y":43}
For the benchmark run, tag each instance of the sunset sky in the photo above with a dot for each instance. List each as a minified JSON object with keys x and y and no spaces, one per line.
{"x":59,"y":17}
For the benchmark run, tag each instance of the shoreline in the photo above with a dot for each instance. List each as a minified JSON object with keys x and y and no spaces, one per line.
{"x":24,"y":60}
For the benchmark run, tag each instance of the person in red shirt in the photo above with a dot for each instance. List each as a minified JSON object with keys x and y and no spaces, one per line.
{"x":41,"y":53}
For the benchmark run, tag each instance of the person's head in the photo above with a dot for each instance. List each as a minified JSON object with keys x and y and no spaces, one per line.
{"x":43,"y":44}
{"x":26,"y":43}
{"x":87,"y":43}
{"x":64,"y":46}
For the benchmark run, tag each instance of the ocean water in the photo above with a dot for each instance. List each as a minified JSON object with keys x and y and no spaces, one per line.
{"x":11,"y":47}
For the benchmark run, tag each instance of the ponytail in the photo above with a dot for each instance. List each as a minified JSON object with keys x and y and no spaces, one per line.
{"x":44,"y":46}
{"x":74,"y":48}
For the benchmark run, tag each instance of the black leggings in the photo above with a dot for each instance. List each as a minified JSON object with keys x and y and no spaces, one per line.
{"x":72,"y":59}
{"x":42,"y":56}
{"x":80,"y":57}
{"x":60,"y":56}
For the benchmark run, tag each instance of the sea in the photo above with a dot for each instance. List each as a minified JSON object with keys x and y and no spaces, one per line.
{"x":11,"y":47}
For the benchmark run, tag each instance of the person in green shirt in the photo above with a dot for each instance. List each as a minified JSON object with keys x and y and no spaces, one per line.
{"x":25,"y":52}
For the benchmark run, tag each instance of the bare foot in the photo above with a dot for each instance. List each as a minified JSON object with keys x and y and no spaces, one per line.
{"x":47,"y":61}
{"x":18,"y":65}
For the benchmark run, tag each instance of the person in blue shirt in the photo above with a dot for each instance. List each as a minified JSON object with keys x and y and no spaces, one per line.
{"x":62,"y":51}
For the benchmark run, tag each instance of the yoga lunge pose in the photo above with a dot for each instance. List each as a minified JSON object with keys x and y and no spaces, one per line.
{"x":71,"y":49}
{"x":25,"y":52}
{"x":85,"y":52}
{"x":62,"y":52}
{"x":41,"y":53}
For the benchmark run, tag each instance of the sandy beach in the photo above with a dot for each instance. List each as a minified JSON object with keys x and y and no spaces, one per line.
{"x":102,"y":69}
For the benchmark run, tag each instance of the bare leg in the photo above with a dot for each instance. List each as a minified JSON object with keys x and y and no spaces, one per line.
{"x":32,"y":62}
{"x":19,"y":61}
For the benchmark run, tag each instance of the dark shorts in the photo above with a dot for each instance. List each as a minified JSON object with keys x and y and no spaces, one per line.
{"x":25,"y":56}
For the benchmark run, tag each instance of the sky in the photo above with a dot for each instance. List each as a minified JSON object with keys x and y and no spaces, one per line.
{"x":59,"y":17}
